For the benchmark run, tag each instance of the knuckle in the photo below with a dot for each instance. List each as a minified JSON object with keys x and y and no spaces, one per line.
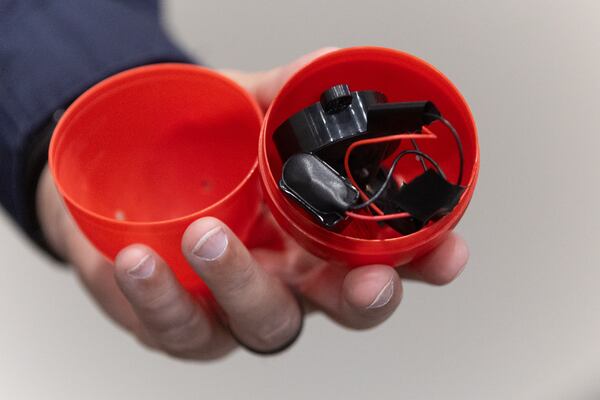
{"x":187,"y":335}
{"x":174,"y":322}
{"x":244,"y":278}
{"x":276,"y":332}
{"x":160,"y":301}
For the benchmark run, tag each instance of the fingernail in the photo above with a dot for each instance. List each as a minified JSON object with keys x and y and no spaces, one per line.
{"x":212,"y":245}
{"x":143,"y":269}
{"x":383,"y":297}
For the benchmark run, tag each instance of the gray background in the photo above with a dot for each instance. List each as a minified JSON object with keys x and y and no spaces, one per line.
{"x":522,"y":322}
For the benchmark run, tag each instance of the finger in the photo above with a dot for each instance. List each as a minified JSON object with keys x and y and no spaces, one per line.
{"x":272,"y":81}
{"x":97,"y":274}
{"x":442,"y":265}
{"x":360,"y":298}
{"x":265,"y":85}
{"x":169,"y":315}
{"x":261,"y":311}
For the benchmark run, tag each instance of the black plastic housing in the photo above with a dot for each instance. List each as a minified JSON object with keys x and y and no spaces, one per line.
{"x":316,"y":128}
{"x":327,"y":127}
{"x":318,"y":188}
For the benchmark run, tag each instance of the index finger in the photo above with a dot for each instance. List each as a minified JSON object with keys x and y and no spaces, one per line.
{"x":261,"y":311}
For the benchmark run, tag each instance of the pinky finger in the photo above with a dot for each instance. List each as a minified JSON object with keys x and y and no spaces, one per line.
{"x":442,"y":265}
{"x":361,"y":298}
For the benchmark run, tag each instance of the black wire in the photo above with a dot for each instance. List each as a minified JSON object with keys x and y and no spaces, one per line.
{"x":390,"y":173}
{"x":422,"y":156}
{"x":458,"y":143}
{"x":416,"y":146}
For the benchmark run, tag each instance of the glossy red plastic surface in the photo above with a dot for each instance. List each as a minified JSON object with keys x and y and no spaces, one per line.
{"x":401,"y":77}
{"x":141,"y":155}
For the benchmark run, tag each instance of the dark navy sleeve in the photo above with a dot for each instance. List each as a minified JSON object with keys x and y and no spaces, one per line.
{"x":50,"y":52}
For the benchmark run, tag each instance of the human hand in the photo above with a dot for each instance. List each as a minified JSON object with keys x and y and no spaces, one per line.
{"x":255,"y":290}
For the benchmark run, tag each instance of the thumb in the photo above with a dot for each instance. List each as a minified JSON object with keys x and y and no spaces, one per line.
{"x":264,"y":85}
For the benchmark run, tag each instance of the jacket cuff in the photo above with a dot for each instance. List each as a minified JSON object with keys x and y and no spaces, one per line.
{"x":51,"y":54}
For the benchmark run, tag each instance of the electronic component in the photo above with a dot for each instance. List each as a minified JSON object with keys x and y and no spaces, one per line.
{"x":428,"y":196}
{"x":326,"y":127}
{"x":333,"y":153}
{"x":318,"y":187}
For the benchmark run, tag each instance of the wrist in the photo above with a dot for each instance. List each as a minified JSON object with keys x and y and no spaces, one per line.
{"x":36,"y":177}
{"x":50,"y":215}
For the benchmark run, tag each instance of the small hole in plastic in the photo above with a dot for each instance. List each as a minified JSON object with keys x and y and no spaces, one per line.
{"x":206,"y":185}
{"x":120,"y":215}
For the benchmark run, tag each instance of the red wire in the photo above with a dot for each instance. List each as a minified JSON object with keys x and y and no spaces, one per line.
{"x":381,"y":217}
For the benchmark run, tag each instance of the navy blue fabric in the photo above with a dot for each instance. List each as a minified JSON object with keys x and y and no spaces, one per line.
{"x":50,"y":52}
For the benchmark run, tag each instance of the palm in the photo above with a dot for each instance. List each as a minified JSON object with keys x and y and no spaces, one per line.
{"x":255,"y":289}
